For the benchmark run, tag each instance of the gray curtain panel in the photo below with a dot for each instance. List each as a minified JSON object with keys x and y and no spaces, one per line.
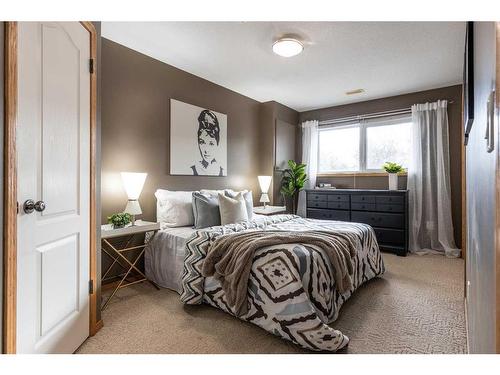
{"x":431,"y":227}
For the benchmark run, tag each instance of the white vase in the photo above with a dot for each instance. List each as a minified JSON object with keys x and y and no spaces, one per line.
{"x":393,"y":181}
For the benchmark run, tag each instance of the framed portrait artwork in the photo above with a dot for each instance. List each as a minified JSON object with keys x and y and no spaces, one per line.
{"x":468,"y":88}
{"x":198,"y":140}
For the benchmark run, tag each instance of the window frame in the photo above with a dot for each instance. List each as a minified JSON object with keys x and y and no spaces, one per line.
{"x":363,"y":125}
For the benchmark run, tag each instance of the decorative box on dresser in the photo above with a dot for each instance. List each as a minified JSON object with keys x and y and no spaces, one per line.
{"x":385,"y":210}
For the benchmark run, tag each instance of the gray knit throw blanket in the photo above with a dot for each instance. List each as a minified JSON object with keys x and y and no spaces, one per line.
{"x":229,"y":258}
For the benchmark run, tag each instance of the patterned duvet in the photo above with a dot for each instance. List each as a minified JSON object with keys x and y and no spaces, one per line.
{"x":291,"y":290}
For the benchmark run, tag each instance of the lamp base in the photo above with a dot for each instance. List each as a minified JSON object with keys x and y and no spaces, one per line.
{"x":133,"y":208}
{"x":264,"y":198}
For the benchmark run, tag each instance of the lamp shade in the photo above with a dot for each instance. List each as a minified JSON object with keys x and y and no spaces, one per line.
{"x":133,"y":183}
{"x":264,"y":182}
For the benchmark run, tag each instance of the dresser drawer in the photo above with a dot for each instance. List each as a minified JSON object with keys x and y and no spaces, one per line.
{"x":378,"y":219}
{"x":390,"y":207}
{"x":393,"y":237}
{"x":363,"y":206}
{"x":363,"y":198}
{"x":390,"y":199}
{"x":338,"y":197}
{"x":316,"y":197}
{"x":339,"y":205}
{"x":317,"y":204}
{"x":328,"y":214}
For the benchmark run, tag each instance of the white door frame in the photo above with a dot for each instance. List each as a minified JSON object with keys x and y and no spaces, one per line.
{"x":10,"y":184}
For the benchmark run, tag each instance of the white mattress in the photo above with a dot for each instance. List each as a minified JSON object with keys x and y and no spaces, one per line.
{"x":164,"y":255}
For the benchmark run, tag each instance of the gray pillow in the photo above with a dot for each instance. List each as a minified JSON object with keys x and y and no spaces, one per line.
{"x":247,"y":195}
{"x":205,"y":210}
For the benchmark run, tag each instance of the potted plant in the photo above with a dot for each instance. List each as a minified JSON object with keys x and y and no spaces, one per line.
{"x":119,"y":220}
{"x":393,"y":169}
{"x":294,"y":179}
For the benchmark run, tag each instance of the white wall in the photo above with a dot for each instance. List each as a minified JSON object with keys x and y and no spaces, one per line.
{"x":480,"y":174}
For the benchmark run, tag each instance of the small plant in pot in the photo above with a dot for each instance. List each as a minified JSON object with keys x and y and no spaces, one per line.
{"x":294,"y":179}
{"x":119,"y":220}
{"x":393,"y":169}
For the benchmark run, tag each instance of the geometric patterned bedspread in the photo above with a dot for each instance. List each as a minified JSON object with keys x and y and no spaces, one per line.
{"x":291,"y":290}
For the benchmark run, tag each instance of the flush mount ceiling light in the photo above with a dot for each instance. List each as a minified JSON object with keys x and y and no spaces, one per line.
{"x":287,"y":47}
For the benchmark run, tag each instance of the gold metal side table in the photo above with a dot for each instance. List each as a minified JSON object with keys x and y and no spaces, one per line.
{"x":129,"y":265}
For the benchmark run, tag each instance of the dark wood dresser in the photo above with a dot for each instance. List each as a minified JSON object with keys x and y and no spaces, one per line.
{"x":385,"y":210}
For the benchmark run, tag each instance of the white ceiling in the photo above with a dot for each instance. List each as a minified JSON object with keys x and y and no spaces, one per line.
{"x":383,"y":58}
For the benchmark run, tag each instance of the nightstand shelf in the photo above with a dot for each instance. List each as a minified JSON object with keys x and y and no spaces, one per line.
{"x":129,"y":264}
{"x":269,"y":210}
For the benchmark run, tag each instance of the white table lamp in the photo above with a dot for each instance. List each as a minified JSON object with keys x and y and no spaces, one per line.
{"x":133,"y":183}
{"x":264,"y":182}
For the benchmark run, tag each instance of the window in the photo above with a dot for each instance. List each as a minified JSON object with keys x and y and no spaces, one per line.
{"x":339,"y":149}
{"x":365,"y":145}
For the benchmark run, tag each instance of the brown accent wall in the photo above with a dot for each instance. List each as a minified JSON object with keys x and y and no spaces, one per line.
{"x":136,"y":93}
{"x":453,"y":93}
{"x":270,"y":114}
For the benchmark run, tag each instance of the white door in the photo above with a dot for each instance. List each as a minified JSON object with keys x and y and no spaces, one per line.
{"x":53,"y":154}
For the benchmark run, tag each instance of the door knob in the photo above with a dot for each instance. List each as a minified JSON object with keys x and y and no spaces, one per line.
{"x":40,"y":206}
{"x":29,"y":206}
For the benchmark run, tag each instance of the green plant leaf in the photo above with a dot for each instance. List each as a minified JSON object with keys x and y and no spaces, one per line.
{"x":294,"y":178}
{"x":391,"y":167}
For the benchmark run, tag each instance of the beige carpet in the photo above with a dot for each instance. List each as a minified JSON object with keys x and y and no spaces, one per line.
{"x":417,"y":307}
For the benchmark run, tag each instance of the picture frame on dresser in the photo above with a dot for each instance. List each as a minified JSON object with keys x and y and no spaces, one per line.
{"x":385,"y":210}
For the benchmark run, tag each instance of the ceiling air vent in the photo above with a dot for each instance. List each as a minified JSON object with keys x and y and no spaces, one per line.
{"x":354,"y":92}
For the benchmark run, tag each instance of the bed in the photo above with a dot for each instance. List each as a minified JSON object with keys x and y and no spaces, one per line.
{"x":164,"y":257}
{"x":291,"y":289}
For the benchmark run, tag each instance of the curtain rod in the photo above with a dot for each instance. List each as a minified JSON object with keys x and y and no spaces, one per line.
{"x":393,"y":112}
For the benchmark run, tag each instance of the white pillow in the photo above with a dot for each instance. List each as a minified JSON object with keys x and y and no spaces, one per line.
{"x":232,"y":210}
{"x":174,"y":208}
{"x":213,"y":193}
{"x":248,"y":196}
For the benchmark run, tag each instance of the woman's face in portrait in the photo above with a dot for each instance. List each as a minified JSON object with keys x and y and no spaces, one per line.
{"x":208,"y":146}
